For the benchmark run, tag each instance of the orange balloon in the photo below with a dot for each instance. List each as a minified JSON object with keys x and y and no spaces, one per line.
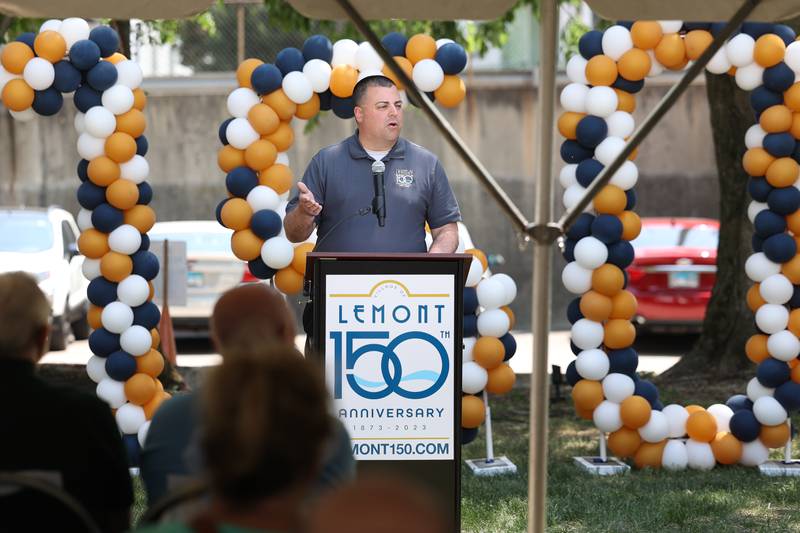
{"x":103,"y":171}
{"x":93,"y":243}
{"x":618,"y":333}
{"x":116,"y":58}
{"x":488,"y":352}
{"x":139,"y":99}
{"x":624,"y":442}
{"x":419,"y":47}
{"x":300,"y":253}
{"x":343,"y":80}
{"x":769,"y":50}
{"x":141,"y":217}
{"x":245,"y":70}
{"x":783,"y":172}
{"x":585,"y":414}
{"x":595,"y":306}
{"x":229,"y":158}
{"x":634,"y":64}
{"x":754,"y":299}
{"x":601,"y":70}
{"x":501,"y":379}
{"x":14,"y":56}
{"x":611,"y":200}
{"x":587,"y":394}
{"x":774,"y":436}
{"x":263,"y":118}
{"x":150,"y":299}
{"x":646,"y":34}
{"x":756,"y":161}
{"x":260,"y":155}
{"x":50,"y":45}
{"x":649,"y":454}
{"x":568,"y":124}
{"x":670,"y":50}
{"x":451,"y":92}
{"x":727,"y":448}
{"x":696,"y":42}
{"x":280,"y":103}
{"x":309,"y":109}
{"x":140,"y":389}
{"x":473,"y":412}
{"x":756,"y":348}
{"x":120,"y":147}
{"x":794,"y":129}
{"x":793,"y":222}
{"x":405,"y":64}
{"x":236,"y":214}
{"x":17,"y":95}
{"x":512,"y":320}
{"x":634,"y":411}
{"x":151,"y":363}
{"x":608,"y":279}
{"x":122,"y":194}
{"x":93,"y":316}
{"x":776,"y":119}
{"x":794,"y":321}
{"x":623,"y":305}
{"x":480,"y":256}
{"x":791,"y":97}
{"x":152,"y":406}
{"x":115,"y":266}
{"x":691,"y":409}
{"x":282,"y":138}
{"x":795,"y":374}
{"x":625,"y":101}
{"x":132,"y":122}
{"x":631,"y":225}
{"x":288,"y":281}
{"x":154,"y":332}
{"x":245,"y":244}
{"x":701,"y":426}
{"x":278,"y":177}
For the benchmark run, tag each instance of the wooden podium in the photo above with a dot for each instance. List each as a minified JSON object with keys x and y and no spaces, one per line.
{"x":387,"y":330}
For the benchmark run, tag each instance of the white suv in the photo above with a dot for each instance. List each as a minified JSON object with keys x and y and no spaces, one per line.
{"x":43,"y":242}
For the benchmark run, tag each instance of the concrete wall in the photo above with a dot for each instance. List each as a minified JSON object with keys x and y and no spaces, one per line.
{"x":498,"y":121}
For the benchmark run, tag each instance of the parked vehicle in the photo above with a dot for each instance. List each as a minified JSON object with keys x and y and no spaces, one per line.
{"x":43,"y":242}
{"x":674,"y":272}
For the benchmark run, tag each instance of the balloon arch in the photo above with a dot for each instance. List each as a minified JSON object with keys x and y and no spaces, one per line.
{"x":605,"y":75}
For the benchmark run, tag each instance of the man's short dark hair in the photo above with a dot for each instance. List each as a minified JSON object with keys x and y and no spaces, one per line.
{"x":370,"y":81}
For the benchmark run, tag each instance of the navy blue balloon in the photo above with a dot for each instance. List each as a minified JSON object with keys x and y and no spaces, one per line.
{"x":784,"y":201}
{"x":103,"y":343}
{"x":717,"y":27}
{"x":452,"y":58}
{"x":574,"y":152}
{"x":266,"y":78}
{"x":574,"y":348}
{"x":83,"y":169}
{"x":87,"y":98}
{"x":756,"y":29}
{"x":621,"y":254}
{"x":572,"y":375}
{"x":768,"y":223}
{"x":786,"y":33}
{"x":132,"y":449}
{"x":591,"y":131}
{"x":218,"y":210}
{"x":780,"y":144}
{"x":788,"y":395}
{"x":266,"y":223}
{"x":470,"y":300}
{"x":772,"y":373}
{"x":624,"y":361}
{"x":48,"y":102}
{"x":759,"y":189}
{"x":468,"y":435}
{"x":107,"y":218}
{"x":145,"y":264}
{"x":646,"y":390}
{"x":689,"y":26}
{"x":395,"y":43}
{"x":607,"y":228}
{"x":627,"y":24}
{"x":325,"y":100}
{"x":657,"y":405}
{"x":318,"y":47}
{"x":241,"y":180}
{"x":796,"y":153}
{"x":28,"y":38}
{"x":84,"y":54}
{"x":762,"y":98}
{"x":145,"y":193}
{"x":342,"y":107}
{"x":795,"y":301}
{"x":780,"y":248}
{"x":145,"y":245}
{"x":587,"y":170}
{"x":569,"y":250}
{"x":628,"y":86}
{"x":574,"y":310}
{"x":630,"y":196}
{"x":223,"y":128}
{"x":141,"y":145}
{"x":757,"y":243}
{"x":146,"y":315}
{"x":68,"y":78}
{"x":259,"y":269}
{"x":510,"y":344}
{"x":101,"y":292}
{"x":90,"y":195}
{"x":744,"y":426}
{"x":106,"y":39}
{"x":582,"y":227}
{"x":102,"y":76}
{"x":289,"y":60}
{"x":737,"y":402}
{"x":470,"y":326}
{"x":779,"y":77}
{"x":120,"y":366}
{"x":591,"y":44}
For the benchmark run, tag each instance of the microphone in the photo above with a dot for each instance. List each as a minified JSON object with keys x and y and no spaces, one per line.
{"x":379,"y":203}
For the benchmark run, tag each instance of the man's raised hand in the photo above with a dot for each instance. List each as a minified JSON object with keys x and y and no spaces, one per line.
{"x":307,"y":202}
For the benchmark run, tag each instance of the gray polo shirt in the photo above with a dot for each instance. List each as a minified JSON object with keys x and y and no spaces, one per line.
{"x":417,"y":191}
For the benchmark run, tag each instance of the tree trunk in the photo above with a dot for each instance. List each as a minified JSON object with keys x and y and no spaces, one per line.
{"x":123,"y":28}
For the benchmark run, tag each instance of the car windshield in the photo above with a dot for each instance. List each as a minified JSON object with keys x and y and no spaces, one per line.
{"x":25,"y":232}
{"x":198,"y":243}
{"x":700,"y":236}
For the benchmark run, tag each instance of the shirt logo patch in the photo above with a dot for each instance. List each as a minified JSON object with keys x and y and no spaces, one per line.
{"x":404,"y":178}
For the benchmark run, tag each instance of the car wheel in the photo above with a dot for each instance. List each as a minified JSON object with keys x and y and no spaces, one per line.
{"x":58,"y":334}
{"x":80,"y":328}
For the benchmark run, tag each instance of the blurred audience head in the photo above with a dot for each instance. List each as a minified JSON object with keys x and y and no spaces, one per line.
{"x":24,"y":317}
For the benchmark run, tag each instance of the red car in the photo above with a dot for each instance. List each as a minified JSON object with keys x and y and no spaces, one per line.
{"x":673,"y":272}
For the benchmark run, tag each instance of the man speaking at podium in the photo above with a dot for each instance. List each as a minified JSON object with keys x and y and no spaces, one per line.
{"x":374,"y":191}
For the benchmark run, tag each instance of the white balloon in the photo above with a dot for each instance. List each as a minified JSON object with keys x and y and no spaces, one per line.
{"x":753,"y":209}
{"x":240,"y":133}
{"x":473,"y":378}
{"x":137,"y":169}
{"x":739,"y":50}
{"x":590,"y":253}
{"x":91,"y":268}
{"x":112,"y":392}
{"x":719,"y":64}
{"x":772,"y":318}
{"x":469,"y":344}
{"x":592,"y":364}
{"x":756,"y":390}
{"x":367,"y":58}
{"x":749,"y":77}
{"x":573,"y":97}
{"x":475,"y":273}
{"x":96,"y":368}
{"x":125,"y":239}
{"x":754,"y":137}
{"x":722,"y":414}
{"x":297,"y":87}
{"x":133,"y":290}
{"x":509,"y":287}
{"x":50,"y":25}
{"x":493,"y":323}
{"x":758,"y":267}
{"x":616,"y":41}
{"x":587,"y":334}
{"x":607,"y":417}
{"x":677,"y":415}
{"x":136,"y":340}
{"x":141,"y":435}
{"x":263,"y":197}
{"x":73,"y":30}
{"x":318,"y":73}
{"x":769,"y":412}
{"x":116,"y":317}
{"x":100,"y":122}
{"x":567,"y":176}
{"x":282,"y":159}
{"x":601,"y":101}
{"x":84,"y":219}
{"x":701,"y":456}
{"x":776,"y":289}
{"x":626,"y":177}
{"x":90,"y":147}
{"x":129,"y":74}
{"x":675,"y":457}
{"x":754,"y":453}
{"x":368,"y":74}
{"x":576,"y":279}
{"x":656,"y":429}
{"x":344,"y":52}
{"x":792,"y":56}
{"x":576,"y":69}
{"x":670,"y":26}
{"x":573,"y":195}
{"x":427,"y":75}
{"x":277,"y":252}
{"x":39,"y":74}
{"x":118,"y":99}
{"x":79,"y":121}
{"x":240,"y":101}
{"x":491,"y":293}
{"x":620,"y":124}
{"x":609,"y":149}
{"x":783,"y":346}
{"x":617,"y":387}
{"x":130,"y":418}
{"x":656,"y":68}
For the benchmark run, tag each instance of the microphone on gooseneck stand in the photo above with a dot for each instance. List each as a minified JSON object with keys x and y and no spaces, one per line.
{"x":379,"y":203}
